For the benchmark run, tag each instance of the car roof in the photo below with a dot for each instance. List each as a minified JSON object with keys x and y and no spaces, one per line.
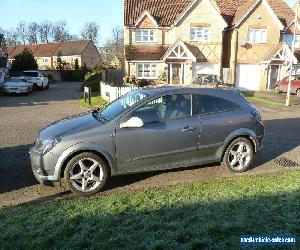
{"x":162,"y":89}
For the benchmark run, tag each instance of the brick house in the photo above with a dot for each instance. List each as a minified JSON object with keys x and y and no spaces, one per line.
{"x":46,"y":54}
{"x":240,"y":40}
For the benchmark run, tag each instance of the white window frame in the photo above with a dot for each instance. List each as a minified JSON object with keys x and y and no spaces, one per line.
{"x":200,"y":34}
{"x":256,"y":35}
{"x":45,"y":60}
{"x":146,"y":70}
{"x":145,"y":36}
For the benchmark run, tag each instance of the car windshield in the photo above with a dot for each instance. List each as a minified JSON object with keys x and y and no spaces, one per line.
{"x":16,"y":80}
{"x":30,"y":74}
{"x":122,"y":104}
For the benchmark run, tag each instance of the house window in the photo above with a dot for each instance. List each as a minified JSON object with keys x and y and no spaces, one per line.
{"x":288,"y":38}
{"x":200,"y":34}
{"x":144,"y":35}
{"x":45,"y":60}
{"x":257,"y":36}
{"x":146,"y":71}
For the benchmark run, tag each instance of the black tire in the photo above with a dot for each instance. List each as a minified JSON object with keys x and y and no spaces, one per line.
{"x":47,"y":87}
{"x":28,"y":91}
{"x":277,"y":90}
{"x":73,"y":165}
{"x":298,"y":92}
{"x":228,"y":158}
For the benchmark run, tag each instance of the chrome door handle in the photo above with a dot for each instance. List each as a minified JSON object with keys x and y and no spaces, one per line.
{"x":188,"y":129}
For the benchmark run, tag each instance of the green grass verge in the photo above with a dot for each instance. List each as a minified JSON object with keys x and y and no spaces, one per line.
{"x":209,"y":215}
{"x":265,"y":100}
{"x":97,"y":102}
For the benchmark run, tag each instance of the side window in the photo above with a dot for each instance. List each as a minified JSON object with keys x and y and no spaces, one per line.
{"x":205,"y":104}
{"x":165,"y":108}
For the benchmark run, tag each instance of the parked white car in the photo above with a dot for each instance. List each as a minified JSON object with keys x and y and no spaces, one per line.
{"x":36,"y":78}
{"x":17,"y":85}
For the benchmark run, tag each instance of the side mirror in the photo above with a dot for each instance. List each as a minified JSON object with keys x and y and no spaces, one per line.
{"x":133,"y":122}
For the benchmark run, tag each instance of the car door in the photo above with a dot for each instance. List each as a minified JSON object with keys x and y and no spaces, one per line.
{"x":219,"y":117}
{"x":168,"y":138}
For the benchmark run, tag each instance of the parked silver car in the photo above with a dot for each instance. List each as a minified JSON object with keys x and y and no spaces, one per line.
{"x":17,"y":85}
{"x":149,"y":129}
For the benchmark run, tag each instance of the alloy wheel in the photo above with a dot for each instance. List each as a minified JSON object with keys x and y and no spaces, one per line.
{"x":239,"y":156}
{"x":86,"y":175}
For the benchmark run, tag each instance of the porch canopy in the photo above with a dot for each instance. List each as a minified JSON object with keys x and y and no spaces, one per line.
{"x":277,"y":62}
{"x":177,"y":56}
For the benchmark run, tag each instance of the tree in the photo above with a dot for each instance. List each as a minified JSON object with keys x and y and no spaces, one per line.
{"x":45,"y":31}
{"x":76,"y":67}
{"x":11,"y":37}
{"x":22,"y":32}
{"x":59,"y":31}
{"x":32,"y":33}
{"x":24,"y":61}
{"x":90,"y":31}
{"x":114,"y":47}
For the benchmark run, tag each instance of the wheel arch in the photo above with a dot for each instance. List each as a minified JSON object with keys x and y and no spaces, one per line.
{"x":78,"y":149}
{"x":244,"y":133}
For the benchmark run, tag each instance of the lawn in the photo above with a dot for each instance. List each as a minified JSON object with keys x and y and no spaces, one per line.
{"x":265,"y":100}
{"x":209,"y":215}
{"x":96,"y":102}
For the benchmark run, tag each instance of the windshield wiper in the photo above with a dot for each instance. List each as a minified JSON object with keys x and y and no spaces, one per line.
{"x":97,"y":115}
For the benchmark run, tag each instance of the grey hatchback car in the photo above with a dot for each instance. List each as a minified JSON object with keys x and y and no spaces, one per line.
{"x":154,"y":128}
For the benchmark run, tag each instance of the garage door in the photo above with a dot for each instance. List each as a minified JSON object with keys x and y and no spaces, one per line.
{"x":248,"y":76}
{"x":202,"y":68}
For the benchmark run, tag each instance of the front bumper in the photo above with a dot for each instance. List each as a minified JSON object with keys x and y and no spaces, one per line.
{"x":43,"y":167}
{"x":15,"y":90}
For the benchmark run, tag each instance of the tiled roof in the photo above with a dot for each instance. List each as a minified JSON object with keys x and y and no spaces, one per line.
{"x":67,"y":48}
{"x":46,"y":50}
{"x":167,"y":11}
{"x":196,"y":52}
{"x":285,"y":14}
{"x":15,"y":50}
{"x":145,"y":52}
{"x":271,"y":53}
{"x":234,"y":10}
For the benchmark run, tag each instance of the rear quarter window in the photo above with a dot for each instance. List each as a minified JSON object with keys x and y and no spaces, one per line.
{"x":207,"y":104}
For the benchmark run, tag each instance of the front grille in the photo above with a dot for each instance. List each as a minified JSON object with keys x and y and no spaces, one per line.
{"x":285,"y":162}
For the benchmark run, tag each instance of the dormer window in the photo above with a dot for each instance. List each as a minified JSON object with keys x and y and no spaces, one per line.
{"x":200,"y":34}
{"x":257,"y":35}
{"x":145,"y":35}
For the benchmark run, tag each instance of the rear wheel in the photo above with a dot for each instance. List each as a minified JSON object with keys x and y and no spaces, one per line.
{"x":86,"y":174}
{"x":298,"y":92}
{"x":239,"y":155}
{"x":277,"y":90}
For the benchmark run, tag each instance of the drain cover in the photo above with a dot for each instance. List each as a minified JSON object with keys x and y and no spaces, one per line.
{"x":285,"y":162}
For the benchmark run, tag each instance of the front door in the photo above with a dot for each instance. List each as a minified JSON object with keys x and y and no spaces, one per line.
{"x":274,"y":76}
{"x":177,"y":70}
{"x":168,"y":138}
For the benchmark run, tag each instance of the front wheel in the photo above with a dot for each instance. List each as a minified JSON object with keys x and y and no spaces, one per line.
{"x":47,"y":87}
{"x":298,"y":92}
{"x":86,"y":174}
{"x":239,"y":155}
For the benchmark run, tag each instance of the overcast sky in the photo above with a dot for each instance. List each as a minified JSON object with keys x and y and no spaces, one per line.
{"x":107,"y":13}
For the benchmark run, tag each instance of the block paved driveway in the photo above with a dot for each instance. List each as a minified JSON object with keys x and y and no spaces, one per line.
{"x":21,"y":117}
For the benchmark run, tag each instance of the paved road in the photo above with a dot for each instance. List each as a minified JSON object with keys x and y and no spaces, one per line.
{"x":21,"y":117}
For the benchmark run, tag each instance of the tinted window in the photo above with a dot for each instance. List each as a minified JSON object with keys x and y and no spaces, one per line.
{"x":30,"y":74}
{"x":205,"y":104}
{"x":16,"y":80}
{"x":165,"y":108}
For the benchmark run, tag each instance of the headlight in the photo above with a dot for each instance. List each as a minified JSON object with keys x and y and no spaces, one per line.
{"x":43,"y":147}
